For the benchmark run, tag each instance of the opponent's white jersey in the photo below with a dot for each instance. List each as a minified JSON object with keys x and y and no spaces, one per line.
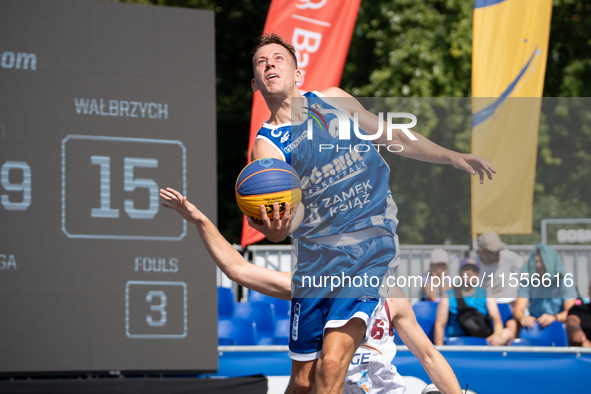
{"x":371,"y":370}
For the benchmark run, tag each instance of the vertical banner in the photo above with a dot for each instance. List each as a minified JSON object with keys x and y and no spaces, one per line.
{"x":510,"y":48}
{"x":320,"y":31}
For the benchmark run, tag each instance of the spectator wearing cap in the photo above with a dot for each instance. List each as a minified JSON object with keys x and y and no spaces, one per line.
{"x":578,"y":324}
{"x":546,"y":304}
{"x":498,"y":264}
{"x":439,"y":261}
{"x":446,"y":320}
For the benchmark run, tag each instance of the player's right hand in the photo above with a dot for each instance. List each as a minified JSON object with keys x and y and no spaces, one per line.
{"x":178,"y":202}
{"x":275,"y":230}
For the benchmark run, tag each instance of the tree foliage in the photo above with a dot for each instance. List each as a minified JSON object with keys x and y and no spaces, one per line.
{"x":418,"y":48}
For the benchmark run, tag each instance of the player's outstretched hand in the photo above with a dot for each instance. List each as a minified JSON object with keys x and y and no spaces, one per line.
{"x":275,"y":230}
{"x":178,"y":202}
{"x":473,"y":165}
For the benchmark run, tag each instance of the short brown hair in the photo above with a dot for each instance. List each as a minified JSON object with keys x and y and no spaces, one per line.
{"x":273,"y":38}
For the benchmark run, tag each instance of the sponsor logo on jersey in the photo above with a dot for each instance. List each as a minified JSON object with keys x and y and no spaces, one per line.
{"x":365,"y":298}
{"x":343,"y":167}
{"x":364,"y":382}
{"x":295,"y":143}
{"x":296,"y":321}
{"x":360,"y":358}
{"x":317,"y":107}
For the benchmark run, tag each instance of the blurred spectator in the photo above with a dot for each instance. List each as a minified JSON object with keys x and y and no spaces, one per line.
{"x":546,"y":304}
{"x":448,"y":310}
{"x":585,"y":300}
{"x":497,"y":261}
{"x":438,"y":267}
{"x":578,"y":324}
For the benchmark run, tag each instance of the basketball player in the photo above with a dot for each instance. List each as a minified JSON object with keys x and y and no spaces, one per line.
{"x":371,"y":369}
{"x":349,"y":223}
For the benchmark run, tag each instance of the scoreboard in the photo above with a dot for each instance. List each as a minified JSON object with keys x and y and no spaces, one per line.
{"x":101,"y":105}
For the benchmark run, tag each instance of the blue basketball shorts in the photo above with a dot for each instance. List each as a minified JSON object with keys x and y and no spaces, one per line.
{"x":333,"y":284}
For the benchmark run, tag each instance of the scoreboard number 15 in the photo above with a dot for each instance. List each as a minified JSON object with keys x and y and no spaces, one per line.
{"x":130,"y":184}
{"x":110,"y":187}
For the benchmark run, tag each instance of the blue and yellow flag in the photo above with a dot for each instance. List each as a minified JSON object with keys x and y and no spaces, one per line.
{"x":510,"y":48}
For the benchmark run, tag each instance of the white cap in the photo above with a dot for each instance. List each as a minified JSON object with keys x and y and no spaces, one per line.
{"x":439,"y":256}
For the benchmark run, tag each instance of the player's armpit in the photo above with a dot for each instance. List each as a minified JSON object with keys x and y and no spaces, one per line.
{"x":262,"y":149}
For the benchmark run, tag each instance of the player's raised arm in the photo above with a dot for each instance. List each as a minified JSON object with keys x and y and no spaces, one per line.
{"x":421,"y":149}
{"x":265,"y":281}
{"x":413,"y":336}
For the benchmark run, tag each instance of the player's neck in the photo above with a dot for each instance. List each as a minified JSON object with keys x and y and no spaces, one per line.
{"x":281,"y":109}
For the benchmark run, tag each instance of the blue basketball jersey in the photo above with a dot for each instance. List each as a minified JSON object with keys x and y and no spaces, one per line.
{"x":344,"y":189}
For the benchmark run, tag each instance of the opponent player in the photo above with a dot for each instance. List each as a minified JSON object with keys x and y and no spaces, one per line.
{"x":349,"y":224}
{"x":372,"y":370}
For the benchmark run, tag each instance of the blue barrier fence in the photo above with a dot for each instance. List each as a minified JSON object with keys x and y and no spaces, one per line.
{"x":487,"y":370}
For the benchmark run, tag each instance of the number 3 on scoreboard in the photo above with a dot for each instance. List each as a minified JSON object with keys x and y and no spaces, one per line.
{"x":156,"y":308}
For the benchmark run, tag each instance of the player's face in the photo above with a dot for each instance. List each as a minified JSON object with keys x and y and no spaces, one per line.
{"x":274,"y":71}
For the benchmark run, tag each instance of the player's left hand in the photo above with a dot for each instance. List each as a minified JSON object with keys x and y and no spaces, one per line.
{"x":473,"y":165}
{"x":178,"y":202}
{"x":275,"y":230}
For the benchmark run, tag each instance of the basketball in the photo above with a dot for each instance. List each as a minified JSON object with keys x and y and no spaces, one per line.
{"x":264,"y":182}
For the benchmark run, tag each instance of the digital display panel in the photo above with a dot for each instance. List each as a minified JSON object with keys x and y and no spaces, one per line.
{"x":101,"y":105}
